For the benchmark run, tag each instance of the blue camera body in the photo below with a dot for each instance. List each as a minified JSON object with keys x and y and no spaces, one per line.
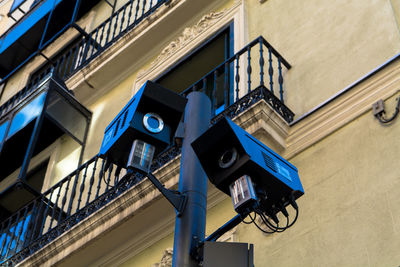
{"x":152,"y":115}
{"x":227,"y":152}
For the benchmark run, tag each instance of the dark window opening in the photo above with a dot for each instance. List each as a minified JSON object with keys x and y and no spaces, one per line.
{"x":197,"y":69}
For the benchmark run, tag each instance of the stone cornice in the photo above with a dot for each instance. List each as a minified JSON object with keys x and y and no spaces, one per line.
{"x":343,"y":109}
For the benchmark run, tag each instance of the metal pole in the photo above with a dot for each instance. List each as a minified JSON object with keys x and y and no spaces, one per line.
{"x":190,"y":227}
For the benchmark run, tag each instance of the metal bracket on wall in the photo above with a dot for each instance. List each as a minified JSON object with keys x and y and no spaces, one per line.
{"x":378,"y":109}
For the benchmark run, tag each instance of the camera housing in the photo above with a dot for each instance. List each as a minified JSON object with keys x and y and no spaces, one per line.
{"x":152,"y":116}
{"x":227,"y":153}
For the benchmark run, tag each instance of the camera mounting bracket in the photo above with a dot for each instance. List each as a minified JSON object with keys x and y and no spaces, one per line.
{"x":176,"y":198}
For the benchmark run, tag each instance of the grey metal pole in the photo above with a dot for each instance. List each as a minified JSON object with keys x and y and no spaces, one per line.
{"x":190,"y":227}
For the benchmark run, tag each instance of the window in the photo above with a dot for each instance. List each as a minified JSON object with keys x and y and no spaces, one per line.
{"x":29,"y":130}
{"x":195,"y":70}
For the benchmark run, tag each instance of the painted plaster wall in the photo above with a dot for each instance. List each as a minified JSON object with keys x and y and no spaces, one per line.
{"x":349,"y":215}
{"x":5,"y":6}
{"x":330,"y":44}
{"x":216,"y":217}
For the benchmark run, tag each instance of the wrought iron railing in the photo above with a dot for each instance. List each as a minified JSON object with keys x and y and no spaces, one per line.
{"x":256,"y":65}
{"x":87,"y":189}
{"x":233,"y":86}
{"x":87,"y":48}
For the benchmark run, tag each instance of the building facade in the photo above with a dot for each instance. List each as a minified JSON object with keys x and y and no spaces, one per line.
{"x":302,"y":77}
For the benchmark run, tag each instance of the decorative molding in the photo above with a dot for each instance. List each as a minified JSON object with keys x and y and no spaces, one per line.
{"x":190,"y":38}
{"x":166,"y":259}
{"x":343,"y":109}
{"x":188,"y":35}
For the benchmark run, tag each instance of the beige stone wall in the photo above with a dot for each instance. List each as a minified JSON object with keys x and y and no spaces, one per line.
{"x":330,"y":44}
{"x":349,"y":215}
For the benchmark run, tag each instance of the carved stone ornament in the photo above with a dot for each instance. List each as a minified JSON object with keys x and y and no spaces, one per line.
{"x":188,"y":34}
{"x":166,"y":260}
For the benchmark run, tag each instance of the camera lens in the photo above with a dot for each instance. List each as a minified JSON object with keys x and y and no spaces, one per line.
{"x":228,"y":158}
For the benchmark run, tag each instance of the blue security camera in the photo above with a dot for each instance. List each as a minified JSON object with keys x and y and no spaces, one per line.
{"x":251,"y":173}
{"x":145,"y":127}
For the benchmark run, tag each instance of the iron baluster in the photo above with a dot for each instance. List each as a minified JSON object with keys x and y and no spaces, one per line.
{"x":122,"y":21}
{"x":226,"y":84}
{"x":3,"y":234}
{"x":56,"y":67}
{"x":46,"y":211}
{"x":82,"y":188}
{"x":237,"y":77}
{"x":129,"y":14}
{"x":91,"y":181}
{"x":249,"y":70}
{"x":204,"y":88}
{"x":61,"y":65}
{"x":95,"y":41}
{"x":109,"y":23}
{"x":103,"y":25}
{"x":76,"y":57}
{"x":12,"y":236}
{"x":67,"y":59}
{"x":137,"y":11}
{"x":82,"y":48}
{"x":73,"y":193}
{"x":270,"y":71}
{"x":110,"y":169}
{"x":37,"y":219}
{"x":29,"y":227}
{"x":280,"y":79}
{"x":20,"y":231}
{"x":214,"y":100}
{"x":100,"y":177}
{"x":6,"y":239}
{"x":144,"y":7}
{"x":261,"y":62}
{"x":53,"y":214}
{"x":71,"y":63}
{"x":115,"y":25}
{"x":64,"y":201}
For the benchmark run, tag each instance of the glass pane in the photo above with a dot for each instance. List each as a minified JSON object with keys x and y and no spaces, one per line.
{"x":28,"y":113}
{"x":65,"y":114}
{"x":3,"y":129}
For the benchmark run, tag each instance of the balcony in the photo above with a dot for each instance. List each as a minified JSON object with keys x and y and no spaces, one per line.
{"x":257,"y":69}
{"x":41,"y":23}
{"x":86,"y":48}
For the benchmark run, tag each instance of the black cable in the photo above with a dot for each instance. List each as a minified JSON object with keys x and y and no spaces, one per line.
{"x":274,"y":227}
{"x":295,"y":218}
{"x":252,"y":220}
{"x":384,"y":120}
{"x":255,"y":223}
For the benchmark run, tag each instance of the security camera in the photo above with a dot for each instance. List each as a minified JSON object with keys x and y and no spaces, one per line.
{"x":247,"y":170}
{"x":144,"y":127}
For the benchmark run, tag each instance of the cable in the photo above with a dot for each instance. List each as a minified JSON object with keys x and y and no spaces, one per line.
{"x":275,"y":228}
{"x":384,"y":120}
{"x":267,"y":232}
{"x":252,"y":220}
